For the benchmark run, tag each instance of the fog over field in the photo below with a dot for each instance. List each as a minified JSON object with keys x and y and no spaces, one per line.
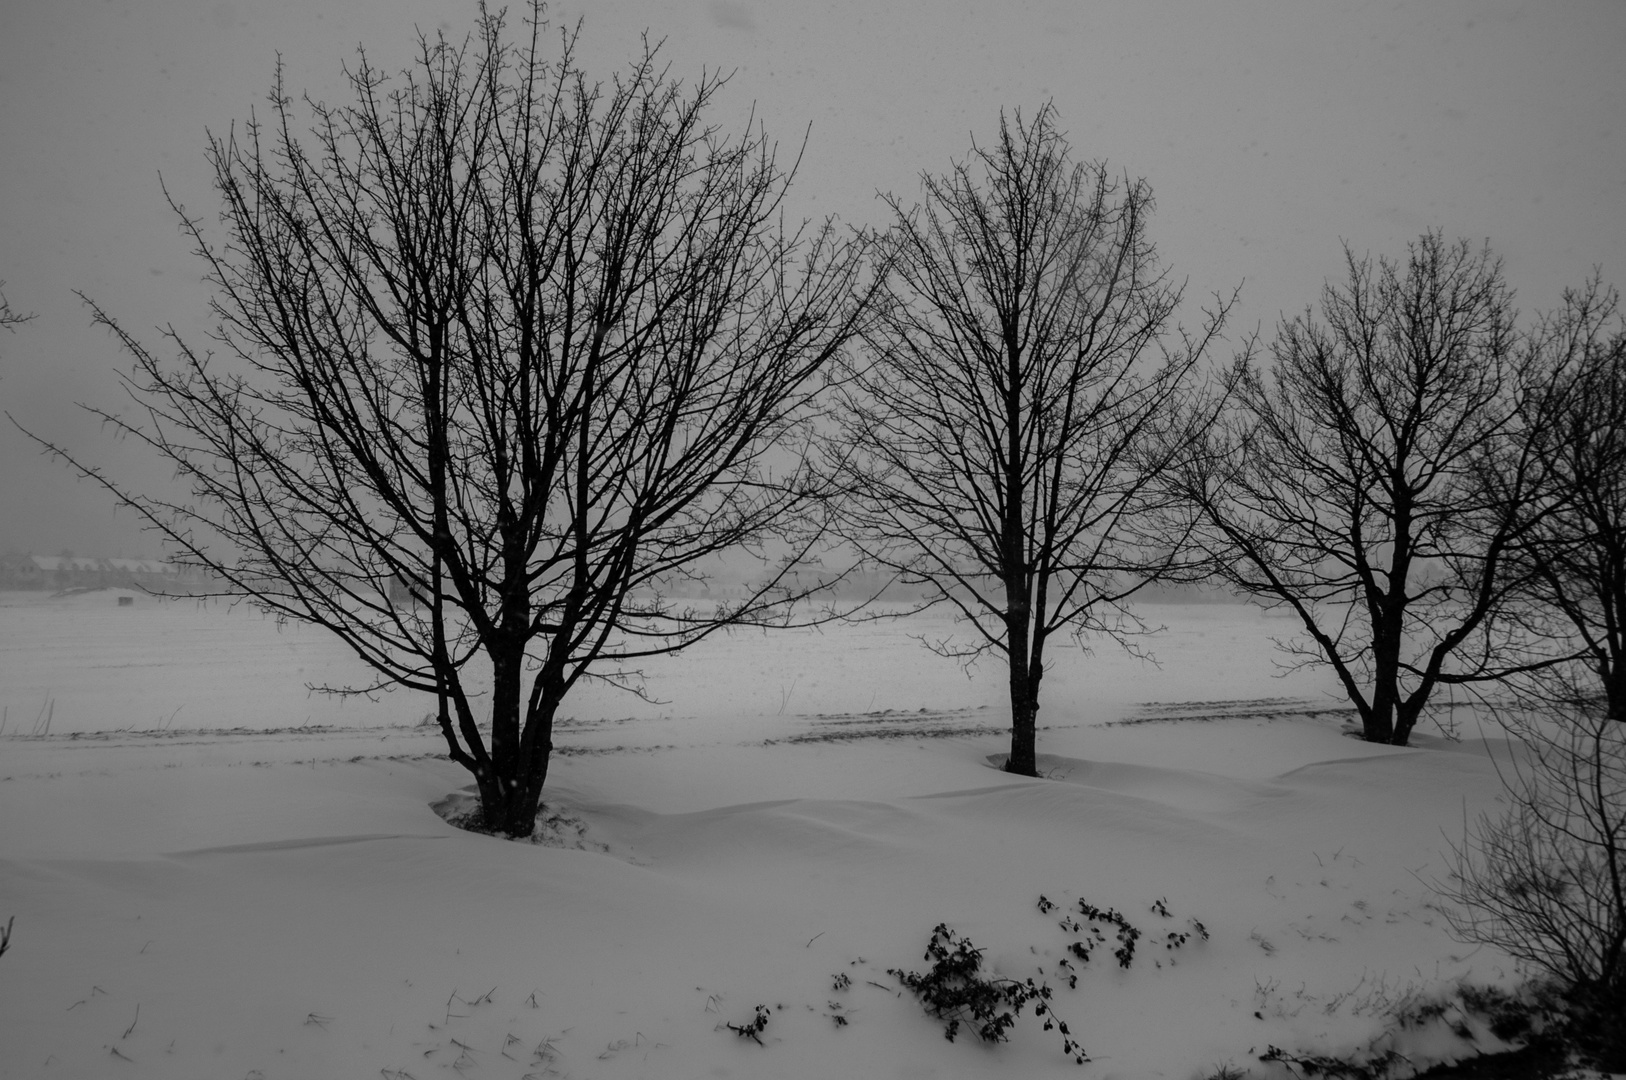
{"x":93,"y":667}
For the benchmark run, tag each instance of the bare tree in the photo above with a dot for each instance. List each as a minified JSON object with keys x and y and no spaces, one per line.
{"x":1545,"y":880}
{"x":1576,"y":554}
{"x":997,"y":441}
{"x":507,"y":350}
{"x":1350,"y":485}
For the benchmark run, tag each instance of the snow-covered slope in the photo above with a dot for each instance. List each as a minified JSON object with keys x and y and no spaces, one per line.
{"x":199,"y":901}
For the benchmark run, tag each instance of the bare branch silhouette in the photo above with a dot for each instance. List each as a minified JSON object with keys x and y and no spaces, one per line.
{"x":506,"y":352}
{"x":1016,"y":398}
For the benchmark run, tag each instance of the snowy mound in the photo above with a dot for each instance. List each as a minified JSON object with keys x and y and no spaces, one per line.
{"x":299,"y":902}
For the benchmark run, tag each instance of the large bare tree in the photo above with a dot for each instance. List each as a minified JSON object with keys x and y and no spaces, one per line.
{"x":1576,"y":554}
{"x":505,"y":351}
{"x":1349,"y":484}
{"x":1022,"y":363}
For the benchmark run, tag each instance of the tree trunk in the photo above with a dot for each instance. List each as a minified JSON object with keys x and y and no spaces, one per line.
{"x":524,"y":799}
{"x":1024,"y":687}
{"x":1023,"y":760}
{"x":521,"y":743}
{"x":1378,"y":722}
{"x":535,"y":750}
{"x":1405,"y":720}
{"x":490,"y":786}
{"x":503,"y":798}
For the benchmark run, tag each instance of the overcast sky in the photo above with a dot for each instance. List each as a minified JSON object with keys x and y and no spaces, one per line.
{"x":1269,"y":132}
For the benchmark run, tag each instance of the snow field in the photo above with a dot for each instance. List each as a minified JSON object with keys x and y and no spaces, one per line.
{"x":234,"y":896}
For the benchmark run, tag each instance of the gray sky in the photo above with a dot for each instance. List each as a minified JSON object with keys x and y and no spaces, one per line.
{"x":1269,"y":132}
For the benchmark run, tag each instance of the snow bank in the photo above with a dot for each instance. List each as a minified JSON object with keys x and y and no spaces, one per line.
{"x":284,"y":902}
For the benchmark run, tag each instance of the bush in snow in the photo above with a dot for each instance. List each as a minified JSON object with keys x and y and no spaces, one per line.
{"x":1545,"y":881}
{"x":956,"y":991}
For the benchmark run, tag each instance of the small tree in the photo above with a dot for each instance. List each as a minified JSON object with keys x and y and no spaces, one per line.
{"x":1576,"y":554}
{"x":508,"y":350}
{"x":1545,"y":881}
{"x":1350,"y":486}
{"x":997,"y":439}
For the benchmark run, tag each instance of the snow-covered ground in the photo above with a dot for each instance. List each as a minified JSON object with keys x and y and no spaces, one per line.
{"x":215,"y":874}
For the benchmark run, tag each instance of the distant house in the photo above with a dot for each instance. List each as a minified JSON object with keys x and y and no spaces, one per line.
{"x":148,"y":573}
{"x":21,"y":572}
{"x":67,"y":571}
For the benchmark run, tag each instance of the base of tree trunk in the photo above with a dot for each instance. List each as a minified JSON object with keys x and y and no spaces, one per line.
{"x":464,"y":810}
